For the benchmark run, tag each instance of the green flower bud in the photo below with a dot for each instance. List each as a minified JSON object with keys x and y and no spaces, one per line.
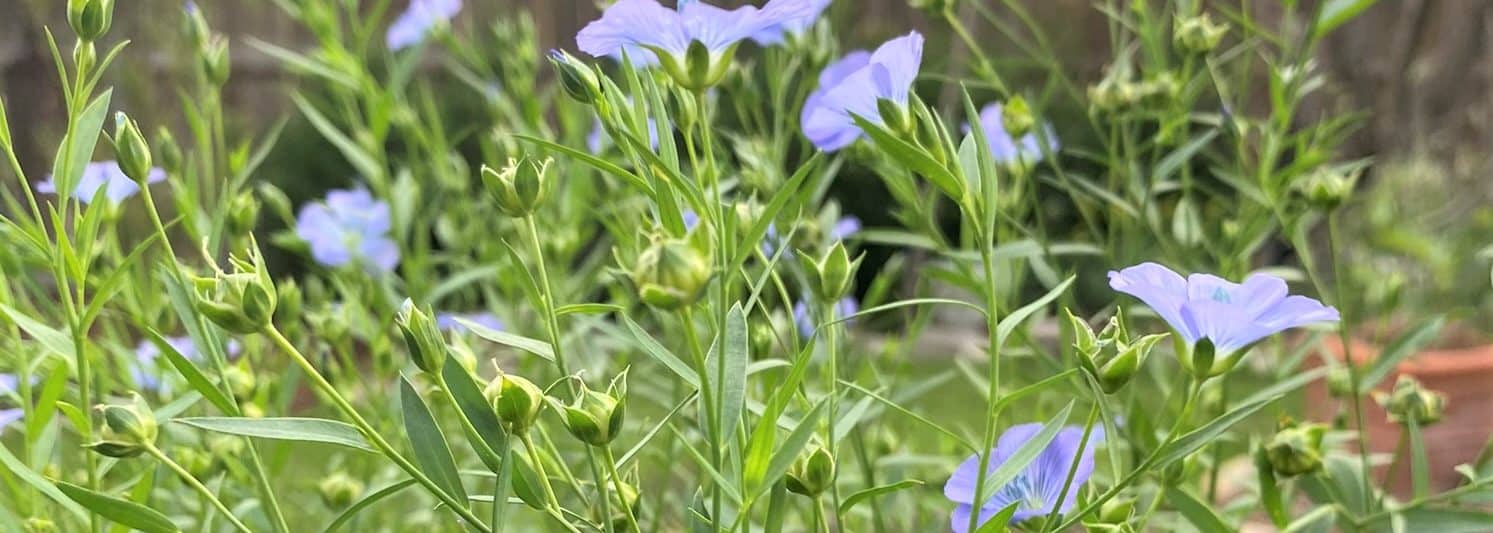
{"x":288,"y":309}
{"x":1327,"y":189}
{"x":672,"y":273}
{"x":130,"y":149}
{"x":243,"y":301}
{"x":339,"y":490}
{"x":897,"y":117}
{"x":596,"y":418}
{"x":1340,"y":383}
{"x":576,"y":77}
{"x":195,"y":27}
{"x":194,"y":460}
{"x":1116,"y":511}
{"x":520,"y":186}
{"x":38,"y":524}
{"x":1128,"y":359}
{"x":224,"y":447}
{"x":243,"y":214}
{"x":1296,"y":449}
{"x":215,"y":60}
{"x":833,"y":275}
{"x":813,"y":473}
{"x":1197,"y":35}
{"x":168,"y":152}
{"x":241,"y":380}
{"x":422,"y":337}
{"x":1411,"y":401}
{"x":516,"y":400}
{"x":762,"y":336}
{"x":700,"y":69}
{"x":90,"y":19}
{"x":128,"y":429}
{"x":1110,"y":357}
{"x":1017,"y":118}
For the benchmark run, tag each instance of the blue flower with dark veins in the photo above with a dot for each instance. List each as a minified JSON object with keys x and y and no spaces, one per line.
{"x":854,"y":85}
{"x":415,"y":23}
{"x":350,"y":226}
{"x":1037,"y":489}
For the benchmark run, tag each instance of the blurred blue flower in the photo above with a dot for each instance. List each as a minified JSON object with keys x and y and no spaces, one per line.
{"x":106,"y":174}
{"x":8,"y":383}
{"x":844,"y":228}
{"x":691,"y":219}
{"x":1230,"y":315}
{"x":349,"y":226}
{"x":598,"y":140}
{"x":9,"y":416}
{"x":648,"y":24}
{"x":805,"y":320}
{"x":416,"y":21}
{"x":147,"y":374}
{"x":1004,"y":147}
{"x":447,"y":321}
{"x":777,"y":33}
{"x":854,"y":85}
{"x":1037,"y":488}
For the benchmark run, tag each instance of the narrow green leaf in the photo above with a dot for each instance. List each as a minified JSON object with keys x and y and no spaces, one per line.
{"x":588,"y":309}
{"x":1183,"y":154}
{"x":356,"y":156}
{"x":473,"y":405}
{"x":867,"y":494}
{"x":1339,"y":12}
{"x":1399,"y":350}
{"x":52,"y":338}
{"x":1001,"y":522}
{"x":592,"y":161}
{"x":1195,"y":511}
{"x":194,"y":377}
{"x":78,"y":145}
{"x":1191,"y":442}
{"x":914,"y":158}
{"x":1028,"y":452}
{"x":1320,"y":520}
{"x":30,"y":477}
{"x":661,"y":354}
{"x":46,"y":404}
{"x":533,"y":346}
{"x":731,"y":371}
{"x":432,"y":454}
{"x":292,"y":429}
{"x":119,"y":510}
{"x":1448,"y":520}
{"x":794,"y":445}
{"x":365,"y":502}
{"x":1014,"y":320}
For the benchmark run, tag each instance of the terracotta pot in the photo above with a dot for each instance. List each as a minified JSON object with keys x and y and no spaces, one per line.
{"x":1464,"y":375}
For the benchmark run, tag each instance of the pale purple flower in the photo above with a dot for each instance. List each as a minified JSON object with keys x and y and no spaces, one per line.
{"x":106,"y":174}
{"x":777,"y":33}
{"x":10,"y":416}
{"x":648,"y":24}
{"x":1230,"y":315}
{"x":853,"y":86}
{"x":8,"y":383}
{"x":146,"y":371}
{"x":1036,"y":489}
{"x":415,"y":23}
{"x":350,"y":226}
{"x":447,"y":321}
{"x":844,"y":228}
{"x":691,"y":219}
{"x":805,"y":321}
{"x":1004,"y":147}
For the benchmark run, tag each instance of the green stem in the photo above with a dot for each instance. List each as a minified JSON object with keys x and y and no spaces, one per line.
{"x":1083,"y":442}
{"x":987,"y":258}
{"x":820,"y":525}
{"x":551,"y":320}
{"x":553,"y":503}
{"x":198,"y":486}
{"x":618,"y":486}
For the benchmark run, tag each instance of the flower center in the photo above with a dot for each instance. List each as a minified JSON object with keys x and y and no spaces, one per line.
{"x":1023,"y":490}
{"x":1221,"y":295}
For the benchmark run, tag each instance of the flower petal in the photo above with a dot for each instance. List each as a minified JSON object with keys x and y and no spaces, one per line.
{"x":1163,"y":290}
{"x":634,"y":22}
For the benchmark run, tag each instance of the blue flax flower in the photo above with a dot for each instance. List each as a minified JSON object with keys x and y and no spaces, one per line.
{"x":10,"y":416}
{"x":1003,"y":147}
{"x":349,"y":226}
{"x":106,"y":174}
{"x":845,"y":307}
{"x":415,"y":23}
{"x":447,"y":321}
{"x":1035,"y":490}
{"x":854,"y":85}
{"x":8,"y":383}
{"x":146,"y":372}
{"x":777,"y":33}
{"x":668,"y":33}
{"x":1230,"y":316}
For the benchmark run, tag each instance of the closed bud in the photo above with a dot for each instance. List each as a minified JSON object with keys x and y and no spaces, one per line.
{"x":1296,"y":449}
{"x":421,"y":337}
{"x":1084,"y":341}
{"x":1128,"y":360}
{"x":1197,"y":35}
{"x":215,"y":61}
{"x":576,"y":77}
{"x":38,"y":524}
{"x":1412,"y":402}
{"x":90,"y":19}
{"x":196,"y":461}
{"x":128,"y":429}
{"x":833,"y":275}
{"x":516,"y":400}
{"x":292,"y":302}
{"x":130,"y":149}
{"x":168,"y":152}
{"x":1116,"y":511}
{"x":672,"y":273}
{"x":195,"y":25}
{"x":339,"y":490}
{"x":1327,"y":189}
{"x":520,"y":186}
{"x":813,"y":473}
{"x":243,"y":214}
{"x":896,"y":116}
{"x":596,"y":418}
{"x":1340,"y":383}
{"x":242,"y":301}
{"x":1017,"y":118}
{"x":241,"y":380}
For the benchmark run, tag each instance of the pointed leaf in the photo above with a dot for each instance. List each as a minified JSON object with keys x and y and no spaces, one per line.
{"x":291,"y":429}
{"x":432,"y":454}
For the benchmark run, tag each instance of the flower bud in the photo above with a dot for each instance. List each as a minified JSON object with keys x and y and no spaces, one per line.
{"x":243,"y":301}
{"x":224,"y":447}
{"x":128,"y":429}
{"x":1017,"y":118}
{"x":1128,"y":359}
{"x":1116,"y":511}
{"x":833,"y":275}
{"x":596,"y":418}
{"x":520,"y":186}
{"x":243,"y":214}
{"x":700,"y":69}
{"x":1327,"y":189}
{"x":1111,"y":358}
{"x":1296,"y":449}
{"x":215,"y":60}
{"x":90,"y":19}
{"x":422,"y":337}
{"x":1411,"y":401}
{"x":672,"y":273}
{"x":1340,"y":383}
{"x":896,"y":116}
{"x":195,"y":25}
{"x":576,"y":77}
{"x":130,"y":149}
{"x":1197,"y":35}
{"x":241,"y":380}
{"x":813,"y":473}
{"x":196,"y":461}
{"x":339,"y":490}
{"x":168,"y":152}
{"x":288,"y":309}
{"x":516,"y":400}
{"x":38,"y":524}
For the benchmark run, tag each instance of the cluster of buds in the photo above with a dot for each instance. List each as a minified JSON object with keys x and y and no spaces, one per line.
{"x":832,"y":276}
{"x":594,"y":417}
{"x":242,"y":301}
{"x":1412,"y":402}
{"x":812,"y":473}
{"x":1327,"y":188}
{"x":516,"y":400}
{"x":1296,"y":448}
{"x":422,"y":337}
{"x":520,"y":186}
{"x":131,"y":149}
{"x":1118,"y":92}
{"x":1110,"y":356}
{"x":1197,"y":34}
{"x":672,"y":273}
{"x":128,"y":430}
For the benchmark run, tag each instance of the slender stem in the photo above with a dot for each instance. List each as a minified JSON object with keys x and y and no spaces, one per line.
{"x":1354,"y":384}
{"x":1083,"y":442}
{"x":618,"y":486}
{"x":831,"y":341}
{"x":373,"y":436}
{"x":553,"y":503}
{"x":551,"y":320}
{"x":987,"y":259}
{"x":198,"y":486}
{"x":820,"y":524}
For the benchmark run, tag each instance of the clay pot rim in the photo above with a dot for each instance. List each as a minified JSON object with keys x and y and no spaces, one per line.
{"x":1427,"y":362}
